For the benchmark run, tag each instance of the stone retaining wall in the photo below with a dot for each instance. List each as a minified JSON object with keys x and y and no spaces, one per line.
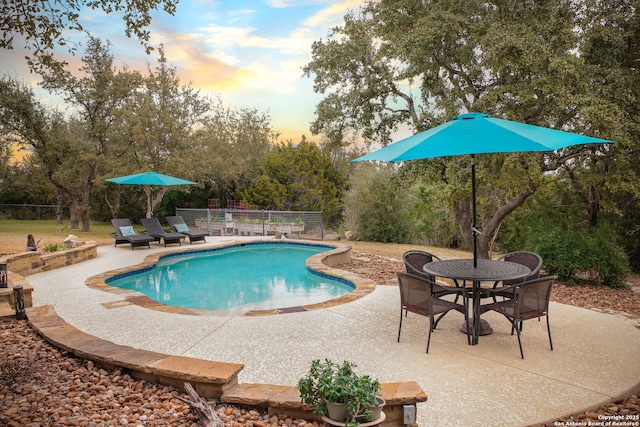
{"x":209,"y":378}
{"x":26,"y":263}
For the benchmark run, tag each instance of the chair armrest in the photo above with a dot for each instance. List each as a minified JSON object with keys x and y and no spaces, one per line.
{"x":440,"y":290}
{"x":500,"y":289}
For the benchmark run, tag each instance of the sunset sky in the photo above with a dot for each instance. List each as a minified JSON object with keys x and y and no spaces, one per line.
{"x":249,"y":52}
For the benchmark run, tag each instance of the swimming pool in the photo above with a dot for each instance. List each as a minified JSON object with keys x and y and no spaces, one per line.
{"x":251,"y":276}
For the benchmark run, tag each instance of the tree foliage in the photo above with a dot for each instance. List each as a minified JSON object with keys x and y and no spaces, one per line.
{"x":611,"y":51}
{"x":124,"y":122}
{"x":376,"y":207}
{"x":23,"y":122}
{"x":412,"y":64}
{"x":297,"y":177}
{"x":42,"y":25}
{"x":155,"y":126}
{"x":97,"y":96}
{"x":232,"y":144}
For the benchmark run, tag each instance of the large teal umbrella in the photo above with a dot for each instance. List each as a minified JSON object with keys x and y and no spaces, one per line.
{"x":148,"y":179}
{"x":477,"y":133}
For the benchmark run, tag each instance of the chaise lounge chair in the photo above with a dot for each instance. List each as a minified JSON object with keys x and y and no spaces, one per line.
{"x":178,"y":225}
{"x":154,"y":229}
{"x":124,"y":233}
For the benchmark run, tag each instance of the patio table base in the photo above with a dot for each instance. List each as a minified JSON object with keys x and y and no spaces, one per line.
{"x":485,"y":328}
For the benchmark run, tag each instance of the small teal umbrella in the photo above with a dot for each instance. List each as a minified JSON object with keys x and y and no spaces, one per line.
{"x":148,"y":179}
{"x":477,"y":133}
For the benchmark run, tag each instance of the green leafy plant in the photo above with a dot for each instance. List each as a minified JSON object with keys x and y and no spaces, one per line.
{"x":581,"y":256}
{"x":55,"y":247}
{"x":328,"y":381}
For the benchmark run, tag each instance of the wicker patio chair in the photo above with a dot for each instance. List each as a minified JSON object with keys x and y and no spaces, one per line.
{"x":530,"y":301}
{"x":414,"y":260}
{"x":417,"y":296}
{"x":528,"y":259}
{"x":154,"y":229}
{"x":177,"y":225}
{"x":124,"y":233}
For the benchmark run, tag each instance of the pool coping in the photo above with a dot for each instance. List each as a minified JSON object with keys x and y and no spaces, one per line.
{"x":322,"y":263}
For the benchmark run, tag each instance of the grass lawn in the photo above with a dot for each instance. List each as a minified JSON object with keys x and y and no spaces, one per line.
{"x":13,"y":238}
{"x":13,"y":233}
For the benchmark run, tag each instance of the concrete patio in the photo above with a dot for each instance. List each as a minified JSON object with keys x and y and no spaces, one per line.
{"x":595,"y":357}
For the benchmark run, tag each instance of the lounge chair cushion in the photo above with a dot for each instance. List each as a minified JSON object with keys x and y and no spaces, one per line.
{"x":127,"y":231}
{"x":182,"y":228}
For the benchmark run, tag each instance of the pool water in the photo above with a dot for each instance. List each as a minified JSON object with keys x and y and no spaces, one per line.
{"x":257,"y":276}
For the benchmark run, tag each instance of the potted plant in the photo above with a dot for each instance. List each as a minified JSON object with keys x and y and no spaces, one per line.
{"x":328,"y":383}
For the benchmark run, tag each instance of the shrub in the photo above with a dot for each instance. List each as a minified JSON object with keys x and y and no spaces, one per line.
{"x":54,"y":247}
{"x":579,"y":256}
{"x":376,"y":207}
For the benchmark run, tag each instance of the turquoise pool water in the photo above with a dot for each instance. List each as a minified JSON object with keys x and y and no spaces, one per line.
{"x":252,"y":276}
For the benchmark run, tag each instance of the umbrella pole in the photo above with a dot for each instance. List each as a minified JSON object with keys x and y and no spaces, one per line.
{"x":474,"y":226}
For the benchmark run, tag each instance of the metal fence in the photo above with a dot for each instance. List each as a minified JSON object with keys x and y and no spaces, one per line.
{"x":244,"y":222}
{"x":31,"y":211}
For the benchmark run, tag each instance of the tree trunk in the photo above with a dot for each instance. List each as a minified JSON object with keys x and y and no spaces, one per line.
{"x":73,"y":215}
{"x":59,"y":206}
{"x":147,"y":192}
{"x":84,"y":207}
{"x":152,"y":203}
{"x":491,"y":228}
{"x":593,"y":206}
{"x":85,"y":220}
{"x":114,"y":206}
{"x":462,"y":214}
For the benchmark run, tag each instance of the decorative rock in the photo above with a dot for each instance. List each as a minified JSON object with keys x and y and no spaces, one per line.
{"x":72,"y":241}
{"x":36,"y":373}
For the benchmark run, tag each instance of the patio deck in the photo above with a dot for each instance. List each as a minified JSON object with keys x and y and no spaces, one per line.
{"x":595,"y":357}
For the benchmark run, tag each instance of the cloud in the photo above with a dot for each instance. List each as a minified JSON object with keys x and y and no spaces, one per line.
{"x":231,"y":57}
{"x":198,"y":63}
{"x":328,"y":16}
{"x":225,"y":37}
{"x":251,"y":56}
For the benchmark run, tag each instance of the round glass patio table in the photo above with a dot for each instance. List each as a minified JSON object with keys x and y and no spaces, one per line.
{"x":486,"y":271}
